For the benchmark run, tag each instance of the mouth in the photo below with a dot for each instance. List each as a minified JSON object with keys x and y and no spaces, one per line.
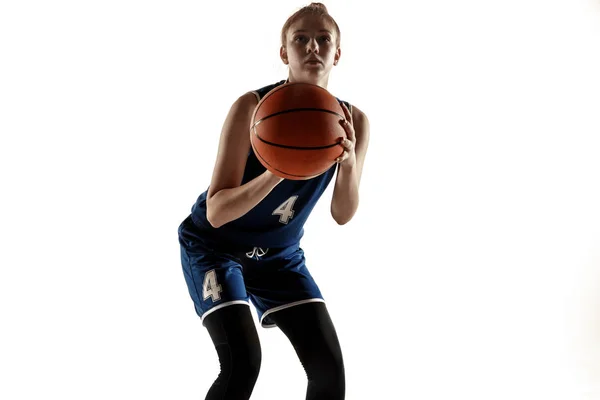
{"x":313,"y":61}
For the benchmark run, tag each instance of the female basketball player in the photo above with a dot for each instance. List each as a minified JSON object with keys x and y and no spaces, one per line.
{"x":241,"y":241}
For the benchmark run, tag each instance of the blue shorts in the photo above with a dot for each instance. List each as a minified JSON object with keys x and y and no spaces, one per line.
{"x":218,"y":275}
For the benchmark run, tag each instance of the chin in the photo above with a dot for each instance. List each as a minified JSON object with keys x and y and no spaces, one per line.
{"x":315,"y":70}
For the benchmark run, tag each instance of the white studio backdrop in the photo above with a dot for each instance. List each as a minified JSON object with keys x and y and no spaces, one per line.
{"x":470,"y":271}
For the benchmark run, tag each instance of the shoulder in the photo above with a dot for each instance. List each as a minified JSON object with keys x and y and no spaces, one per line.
{"x":360,"y":122}
{"x":358,"y":115}
{"x":245,"y":104}
{"x":246,"y":99}
{"x":260,"y":93}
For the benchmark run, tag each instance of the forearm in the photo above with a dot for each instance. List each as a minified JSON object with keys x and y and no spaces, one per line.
{"x":229,"y":204}
{"x":345,"y":194}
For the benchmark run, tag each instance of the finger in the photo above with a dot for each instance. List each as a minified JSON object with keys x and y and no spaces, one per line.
{"x":348,"y":145}
{"x":349,"y":129}
{"x":342,"y":158}
{"x":347,"y":125}
{"x":347,"y":112}
{"x":351,"y":133}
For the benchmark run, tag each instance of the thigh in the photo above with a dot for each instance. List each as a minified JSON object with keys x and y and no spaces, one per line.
{"x":312,"y":333}
{"x":214,"y":278}
{"x":236,"y":341}
{"x":233,"y":326}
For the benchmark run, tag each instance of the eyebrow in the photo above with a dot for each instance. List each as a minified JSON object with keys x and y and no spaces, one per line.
{"x":304,"y":30}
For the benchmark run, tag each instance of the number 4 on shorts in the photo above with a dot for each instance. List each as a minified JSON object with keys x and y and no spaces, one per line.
{"x":210,"y":287}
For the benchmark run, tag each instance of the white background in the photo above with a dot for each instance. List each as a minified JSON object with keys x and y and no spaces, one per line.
{"x":471,"y":270}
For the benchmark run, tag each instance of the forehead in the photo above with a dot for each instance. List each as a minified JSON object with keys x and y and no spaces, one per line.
{"x":312,"y":23}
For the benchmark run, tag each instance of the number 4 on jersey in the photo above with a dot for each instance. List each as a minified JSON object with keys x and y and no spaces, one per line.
{"x":285,"y":210}
{"x":210,"y":287}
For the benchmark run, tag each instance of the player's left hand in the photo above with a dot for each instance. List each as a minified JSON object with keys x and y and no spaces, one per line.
{"x":348,"y":158}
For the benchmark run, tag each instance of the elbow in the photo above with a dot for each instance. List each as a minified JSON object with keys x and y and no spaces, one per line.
{"x":212,"y":221}
{"x":343,"y":214}
{"x":212,"y":217}
{"x":342,"y":219}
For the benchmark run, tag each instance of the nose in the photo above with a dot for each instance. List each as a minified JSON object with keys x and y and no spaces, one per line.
{"x":312,"y":46}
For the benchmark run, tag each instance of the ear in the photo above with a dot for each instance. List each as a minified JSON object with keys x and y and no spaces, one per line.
{"x":338,"y":54}
{"x":283,"y":55}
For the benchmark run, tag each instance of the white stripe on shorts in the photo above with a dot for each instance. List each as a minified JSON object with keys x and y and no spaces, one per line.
{"x":283,"y":307}
{"x":229,"y":303}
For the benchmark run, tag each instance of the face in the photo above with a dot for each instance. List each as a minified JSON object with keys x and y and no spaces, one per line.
{"x":310,"y":49}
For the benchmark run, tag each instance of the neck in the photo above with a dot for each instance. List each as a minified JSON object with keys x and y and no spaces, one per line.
{"x":320,"y":81}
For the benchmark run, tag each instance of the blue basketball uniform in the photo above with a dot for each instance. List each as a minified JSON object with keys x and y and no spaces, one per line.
{"x":256,"y":257}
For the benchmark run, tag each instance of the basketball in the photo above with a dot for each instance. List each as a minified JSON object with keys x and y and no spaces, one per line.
{"x":295,"y":130}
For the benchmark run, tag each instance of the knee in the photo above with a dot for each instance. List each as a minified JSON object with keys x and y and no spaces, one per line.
{"x":240,"y":367}
{"x":327,"y":371}
{"x":248,"y":364}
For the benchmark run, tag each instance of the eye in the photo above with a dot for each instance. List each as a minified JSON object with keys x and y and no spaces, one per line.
{"x":300,"y":38}
{"x":325,"y":39}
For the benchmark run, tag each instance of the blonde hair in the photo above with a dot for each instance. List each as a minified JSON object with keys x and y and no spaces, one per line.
{"x":313,"y":9}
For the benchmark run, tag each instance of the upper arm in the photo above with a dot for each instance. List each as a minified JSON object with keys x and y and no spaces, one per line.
{"x":234,"y":145}
{"x":362,"y":131}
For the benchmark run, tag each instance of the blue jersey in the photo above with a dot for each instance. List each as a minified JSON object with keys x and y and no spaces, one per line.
{"x":278,"y":220}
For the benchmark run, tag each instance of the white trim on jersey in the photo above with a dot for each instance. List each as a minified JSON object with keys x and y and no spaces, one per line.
{"x":229,"y":303}
{"x":256,"y":94}
{"x":283,"y":307}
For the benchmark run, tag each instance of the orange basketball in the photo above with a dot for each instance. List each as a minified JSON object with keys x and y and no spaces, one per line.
{"x":296,"y":131}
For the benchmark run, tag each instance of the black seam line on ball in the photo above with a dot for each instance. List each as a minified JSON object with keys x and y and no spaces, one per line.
{"x":285,"y":146}
{"x":283,"y":172}
{"x":298,"y":109}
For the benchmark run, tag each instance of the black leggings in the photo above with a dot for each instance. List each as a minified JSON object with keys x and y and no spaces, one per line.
{"x":311,"y":332}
